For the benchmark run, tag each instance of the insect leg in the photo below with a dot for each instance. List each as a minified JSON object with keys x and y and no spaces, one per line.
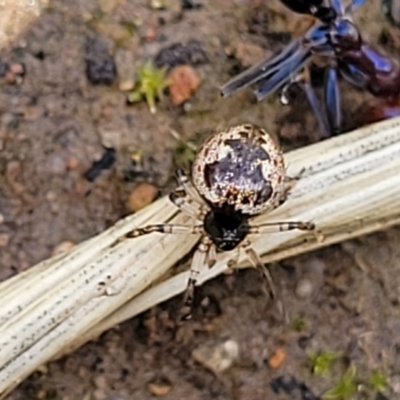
{"x":354,"y":5}
{"x":332,"y":98}
{"x":305,"y":84}
{"x":289,"y":67}
{"x":262,"y":70}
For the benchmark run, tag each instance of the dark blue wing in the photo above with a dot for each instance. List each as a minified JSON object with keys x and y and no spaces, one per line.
{"x":284,"y":74}
{"x":262,"y":70}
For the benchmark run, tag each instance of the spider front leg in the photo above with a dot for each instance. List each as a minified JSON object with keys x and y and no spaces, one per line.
{"x":165,"y":228}
{"x":188,"y":187}
{"x":199,"y":262}
{"x":184,"y":204}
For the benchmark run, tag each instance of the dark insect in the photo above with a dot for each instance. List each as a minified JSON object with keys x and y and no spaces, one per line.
{"x":237,"y":174}
{"x":335,"y":41}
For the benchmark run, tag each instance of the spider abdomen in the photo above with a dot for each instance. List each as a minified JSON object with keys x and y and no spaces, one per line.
{"x":240,"y":170}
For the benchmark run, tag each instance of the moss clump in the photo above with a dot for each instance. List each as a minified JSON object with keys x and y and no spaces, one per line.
{"x":150,"y":85}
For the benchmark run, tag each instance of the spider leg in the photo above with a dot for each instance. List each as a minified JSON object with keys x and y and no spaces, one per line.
{"x":165,"y":228}
{"x":272,"y":227}
{"x":185,"y":205}
{"x":234,"y":260}
{"x":212,"y":256}
{"x":188,"y":187}
{"x":199,"y":262}
{"x":257,"y":263}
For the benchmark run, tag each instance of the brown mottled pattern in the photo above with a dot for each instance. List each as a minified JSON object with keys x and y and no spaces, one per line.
{"x":240,"y":169}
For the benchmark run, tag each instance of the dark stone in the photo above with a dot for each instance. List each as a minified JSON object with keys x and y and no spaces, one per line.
{"x":3,"y":68}
{"x":179,"y":54}
{"x":282,"y":384}
{"x":191,"y":4}
{"x":100,"y":64}
{"x":106,"y":161}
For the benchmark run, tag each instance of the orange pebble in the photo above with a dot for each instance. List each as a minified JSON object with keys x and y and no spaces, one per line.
{"x":276,"y":360}
{"x":184,"y":81}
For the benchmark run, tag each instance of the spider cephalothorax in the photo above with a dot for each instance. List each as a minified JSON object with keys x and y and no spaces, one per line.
{"x":237,"y":174}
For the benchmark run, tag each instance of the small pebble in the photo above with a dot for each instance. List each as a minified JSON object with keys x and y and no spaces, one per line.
{"x":10,"y":78}
{"x":72,"y":163}
{"x":141,"y":196}
{"x":3,"y":68}
{"x":184,"y":81}
{"x":4,"y":239}
{"x":107,"y":6}
{"x":150,"y":34}
{"x":249,"y":54}
{"x":100,"y":382}
{"x":126,"y":70}
{"x":63,"y":247}
{"x":106,"y":161}
{"x":304,"y":288}
{"x":100,"y":64}
{"x":99,"y":394}
{"x":394,"y":382}
{"x":284,"y":384}
{"x":17,"y":69}
{"x":217,"y":357}
{"x":41,"y":394}
{"x":160,"y":386}
{"x":157,"y":4}
{"x":276,"y":360}
{"x":57,"y":164}
{"x":179,"y":54}
{"x":191,"y":4}
{"x":14,"y":73}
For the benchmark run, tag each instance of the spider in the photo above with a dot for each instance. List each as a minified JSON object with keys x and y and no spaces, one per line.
{"x":238,"y":173}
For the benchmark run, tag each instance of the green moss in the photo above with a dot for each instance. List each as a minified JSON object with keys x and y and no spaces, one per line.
{"x":345,"y":389}
{"x":150,"y":85}
{"x":321,"y":362}
{"x":378,"y":381}
{"x":184,"y":155}
{"x":299,"y":324}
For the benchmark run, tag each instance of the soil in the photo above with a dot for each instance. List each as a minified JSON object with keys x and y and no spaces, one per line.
{"x":62,"y":110}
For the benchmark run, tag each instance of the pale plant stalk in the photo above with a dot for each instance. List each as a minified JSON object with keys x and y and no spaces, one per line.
{"x":349,"y":186}
{"x":16,"y":15}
